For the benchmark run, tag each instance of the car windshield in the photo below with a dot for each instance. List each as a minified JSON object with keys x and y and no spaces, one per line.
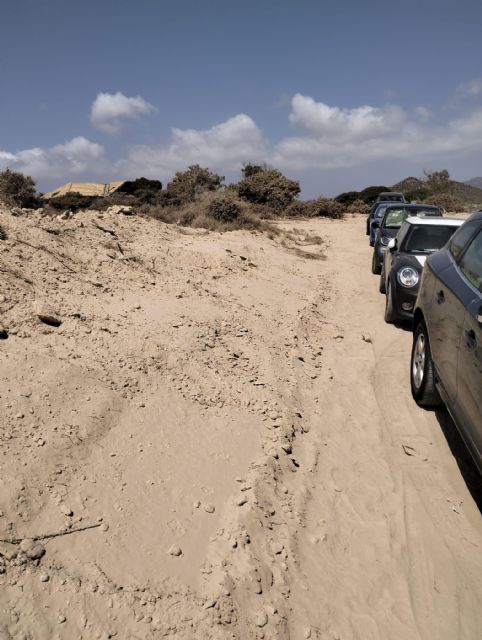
{"x":427,"y":238}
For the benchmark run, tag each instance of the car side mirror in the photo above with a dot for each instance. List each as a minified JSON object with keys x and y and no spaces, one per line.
{"x":392,"y":244}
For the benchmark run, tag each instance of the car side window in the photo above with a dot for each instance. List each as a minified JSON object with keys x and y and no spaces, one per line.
{"x":471,"y":262}
{"x":460,"y":238}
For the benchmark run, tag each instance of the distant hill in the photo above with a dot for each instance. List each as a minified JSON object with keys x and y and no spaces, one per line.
{"x":468,"y":194}
{"x":474,"y":182}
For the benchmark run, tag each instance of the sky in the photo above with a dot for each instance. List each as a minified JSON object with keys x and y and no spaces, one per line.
{"x":337,"y":94}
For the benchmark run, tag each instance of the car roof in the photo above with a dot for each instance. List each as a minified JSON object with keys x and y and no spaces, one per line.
{"x":476,"y":216}
{"x":404,"y":205}
{"x":392,"y":193}
{"x":435,"y":221}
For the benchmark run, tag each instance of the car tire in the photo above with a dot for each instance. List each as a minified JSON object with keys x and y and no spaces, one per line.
{"x":375,"y":268}
{"x":368,"y":228}
{"x":390,"y":315}
{"x":381,"y":286}
{"x":422,"y":377}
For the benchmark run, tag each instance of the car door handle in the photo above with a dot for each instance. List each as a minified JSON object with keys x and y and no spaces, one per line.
{"x":440,"y":296}
{"x":470,"y":338}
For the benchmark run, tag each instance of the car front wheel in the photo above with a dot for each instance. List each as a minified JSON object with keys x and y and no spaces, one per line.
{"x":422,"y":378}
{"x":390,"y":315}
{"x":375,"y":268}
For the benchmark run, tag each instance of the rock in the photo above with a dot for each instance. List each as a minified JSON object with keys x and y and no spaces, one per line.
{"x":3,"y":333}
{"x":209,"y":604}
{"x":286,"y":446}
{"x":277,"y":548}
{"x":120,"y":208}
{"x":32,"y":549}
{"x":66,"y":510}
{"x":104,"y":527}
{"x":209,"y":508}
{"x":44,"y":577}
{"x":307,"y":633}
{"x":8,"y":551}
{"x":241,"y":501}
{"x":46,"y":314}
{"x":261,"y":619}
{"x":61,"y":619}
{"x":174,"y":550}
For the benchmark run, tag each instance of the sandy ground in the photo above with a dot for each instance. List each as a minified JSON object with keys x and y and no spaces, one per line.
{"x":222,"y":433}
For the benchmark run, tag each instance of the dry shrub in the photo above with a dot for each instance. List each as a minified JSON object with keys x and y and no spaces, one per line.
{"x":321,"y":207}
{"x":73,"y":201}
{"x":268,"y":187}
{"x":187,"y":186}
{"x":18,"y":190}
{"x":446,"y":201}
{"x":358,"y":207}
{"x":224,"y":209}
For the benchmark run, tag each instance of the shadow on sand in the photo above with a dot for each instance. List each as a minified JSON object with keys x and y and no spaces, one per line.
{"x":468,"y":469}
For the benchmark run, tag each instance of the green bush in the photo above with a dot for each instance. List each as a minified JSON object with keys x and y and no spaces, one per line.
{"x":16,"y":189}
{"x":268,"y":187}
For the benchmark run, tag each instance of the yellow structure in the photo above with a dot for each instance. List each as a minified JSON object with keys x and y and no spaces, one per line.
{"x":85,"y":189}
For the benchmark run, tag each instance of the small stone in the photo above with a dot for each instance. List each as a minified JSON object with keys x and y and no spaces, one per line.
{"x":196,"y":504}
{"x":104,"y":527}
{"x":241,"y":501}
{"x":44,"y":577}
{"x":287,"y":447}
{"x":277,"y":548}
{"x":209,"y":604}
{"x":307,"y":633}
{"x":261,"y":619}
{"x":46,"y":314}
{"x":209,"y":508}
{"x":174,"y":550}
{"x":19,"y":416}
{"x":61,"y":619}
{"x":33,"y":550}
{"x":66,"y":510}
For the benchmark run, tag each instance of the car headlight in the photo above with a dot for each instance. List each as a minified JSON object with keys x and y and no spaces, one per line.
{"x":408,"y":277}
{"x":385,"y":240}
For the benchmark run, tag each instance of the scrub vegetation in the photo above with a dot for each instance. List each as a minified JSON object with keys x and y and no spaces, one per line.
{"x":199,"y":197}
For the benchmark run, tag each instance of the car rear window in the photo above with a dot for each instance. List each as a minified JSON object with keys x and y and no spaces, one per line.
{"x":471,"y":262}
{"x":394,"y":218}
{"x":427,"y":238}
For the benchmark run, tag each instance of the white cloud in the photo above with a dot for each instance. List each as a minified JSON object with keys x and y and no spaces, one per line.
{"x":470,"y":89}
{"x":223,"y":147}
{"x":63,"y":161}
{"x":110,"y":111}
{"x":332,"y":137}
{"x":333,"y":123}
{"x":424,"y":113}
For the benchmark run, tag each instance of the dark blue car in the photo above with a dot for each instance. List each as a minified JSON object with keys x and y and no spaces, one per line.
{"x":446,"y":361}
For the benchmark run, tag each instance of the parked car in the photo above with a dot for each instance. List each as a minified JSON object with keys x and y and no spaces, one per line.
{"x":446,"y":361}
{"x":375,"y":220}
{"x":393,"y":218}
{"x":391,"y":196}
{"x":371,"y":215}
{"x":404,"y":259}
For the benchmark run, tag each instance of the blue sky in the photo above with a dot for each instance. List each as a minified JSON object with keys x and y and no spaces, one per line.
{"x":337,"y":94}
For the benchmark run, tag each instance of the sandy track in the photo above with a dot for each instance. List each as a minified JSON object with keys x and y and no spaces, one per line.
{"x":391,"y":544}
{"x":233,"y":397}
